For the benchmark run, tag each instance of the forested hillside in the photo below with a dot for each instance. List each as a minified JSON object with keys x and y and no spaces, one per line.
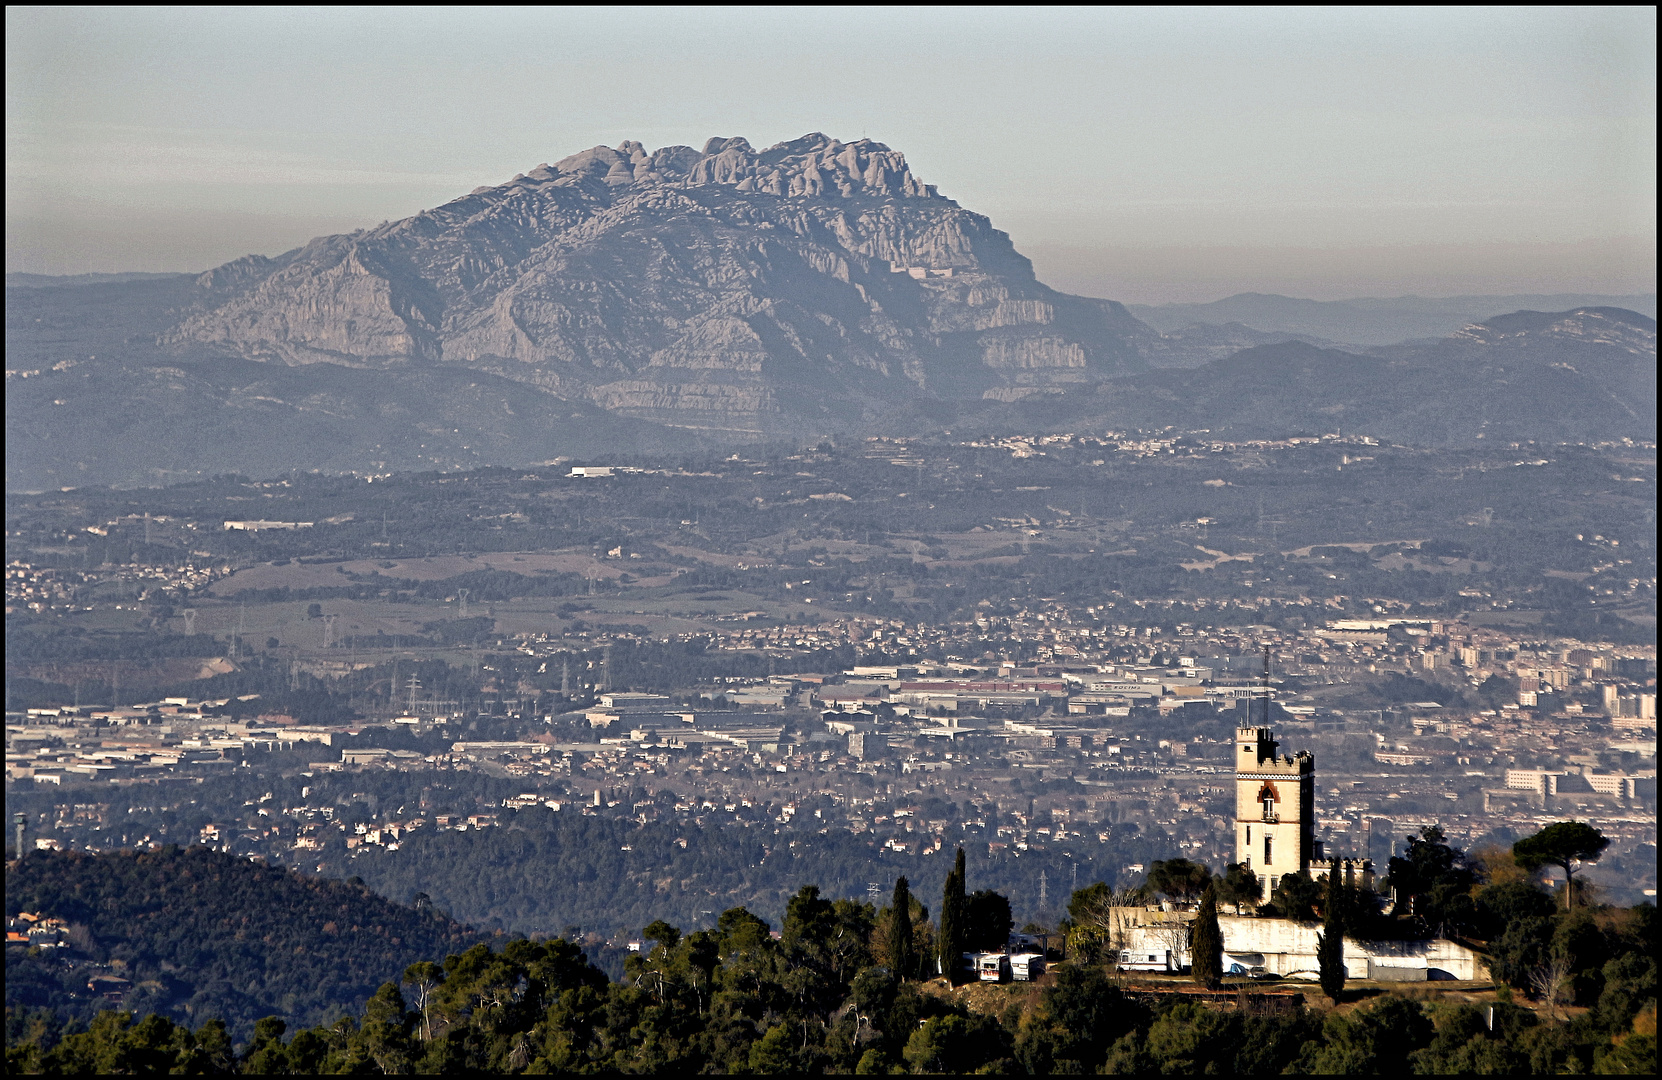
{"x":195,"y":934}
{"x":845,"y":988}
{"x":551,"y":871}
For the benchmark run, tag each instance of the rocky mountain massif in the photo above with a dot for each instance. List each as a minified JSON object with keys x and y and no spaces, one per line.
{"x":729,"y":289}
{"x":625,"y":301}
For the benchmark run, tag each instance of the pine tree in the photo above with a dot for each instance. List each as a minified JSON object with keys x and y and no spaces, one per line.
{"x":1206,"y":946}
{"x":1330,"y":943}
{"x":953,"y":912}
{"x":900,"y":931}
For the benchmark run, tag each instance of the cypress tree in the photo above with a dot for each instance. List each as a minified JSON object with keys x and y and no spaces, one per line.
{"x":900,"y":931}
{"x":1206,"y":946}
{"x":1330,"y":943}
{"x":953,"y":913}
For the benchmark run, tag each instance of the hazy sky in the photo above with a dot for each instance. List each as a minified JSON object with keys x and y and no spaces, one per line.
{"x":1144,"y":154}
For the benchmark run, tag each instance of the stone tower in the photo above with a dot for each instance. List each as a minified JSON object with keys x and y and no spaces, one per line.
{"x":1275,"y":808}
{"x":1275,"y":815}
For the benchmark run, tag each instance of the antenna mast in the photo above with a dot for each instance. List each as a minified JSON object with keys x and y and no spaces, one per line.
{"x":1266,"y":685}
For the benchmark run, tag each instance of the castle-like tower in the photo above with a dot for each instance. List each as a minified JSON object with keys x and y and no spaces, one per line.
{"x":1275,"y":808}
{"x":1275,"y":815}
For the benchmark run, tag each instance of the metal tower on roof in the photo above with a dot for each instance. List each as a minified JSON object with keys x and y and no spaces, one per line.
{"x":1266,"y":684}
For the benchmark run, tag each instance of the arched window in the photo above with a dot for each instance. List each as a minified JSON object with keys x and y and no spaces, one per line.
{"x":1267,"y":799}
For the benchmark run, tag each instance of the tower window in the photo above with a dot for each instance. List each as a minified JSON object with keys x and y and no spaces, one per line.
{"x":1249,"y":836}
{"x":1267,"y":843}
{"x":1267,"y":800}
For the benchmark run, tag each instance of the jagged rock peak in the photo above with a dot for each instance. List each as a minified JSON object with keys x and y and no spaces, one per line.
{"x":814,"y":165}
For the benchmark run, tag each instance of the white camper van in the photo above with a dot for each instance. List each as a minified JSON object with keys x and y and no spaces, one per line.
{"x":1142,"y":960}
{"x":989,"y":966}
{"x":1026,"y":967}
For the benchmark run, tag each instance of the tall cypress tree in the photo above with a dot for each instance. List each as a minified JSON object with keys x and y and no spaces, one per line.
{"x":953,"y":913}
{"x":900,"y":931}
{"x":1330,"y":943}
{"x":1206,"y":946}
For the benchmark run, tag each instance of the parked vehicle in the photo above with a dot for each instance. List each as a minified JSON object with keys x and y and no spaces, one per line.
{"x":989,"y":967}
{"x":1148,"y":961}
{"x":1025,"y":967}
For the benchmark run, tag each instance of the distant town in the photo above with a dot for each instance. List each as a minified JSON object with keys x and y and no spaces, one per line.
{"x":1579,"y":740}
{"x":845,"y":640}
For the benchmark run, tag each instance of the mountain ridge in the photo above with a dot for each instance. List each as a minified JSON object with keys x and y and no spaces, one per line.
{"x":1582,"y":375}
{"x":727,"y":289}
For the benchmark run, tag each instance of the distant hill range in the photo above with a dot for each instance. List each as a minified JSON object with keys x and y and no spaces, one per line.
{"x":1582,"y":375}
{"x":622,"y":300}
{"x":1368,"y":321}
{"x":195,"y":934}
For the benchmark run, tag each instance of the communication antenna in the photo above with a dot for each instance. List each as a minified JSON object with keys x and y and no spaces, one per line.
{"x":873,"y":889}
{"x":565,"y":678}
{"x":1044,"y":903}
{"x":190,"y":621}
{"x":18,"y":820}
{"x":147,"y":528}
{"x":1266,"y":684}
{"x":606,"y":668}
{"x":461,"y":594}
{"x":329,"y":629}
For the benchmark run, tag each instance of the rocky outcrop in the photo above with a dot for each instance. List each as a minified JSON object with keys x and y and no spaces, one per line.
{"x":726,"y":288}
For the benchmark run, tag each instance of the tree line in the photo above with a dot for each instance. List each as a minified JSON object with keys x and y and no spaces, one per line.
{"x":847,"y":986}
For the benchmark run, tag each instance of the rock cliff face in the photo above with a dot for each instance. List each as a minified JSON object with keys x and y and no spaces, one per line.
{"x":811,"y":285}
